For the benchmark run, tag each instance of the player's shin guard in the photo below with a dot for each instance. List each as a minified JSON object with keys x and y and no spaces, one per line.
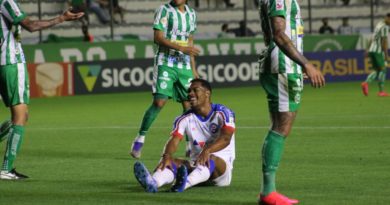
{"x":271,"y":155}
{"x":4,"y":129}
{"x":381,"y":80}
{"x":165,"y":176}
{"x":13,"y":145}
{"x":149,"y":117}
{"x":200,"y":174}
{"x":371,"y":77}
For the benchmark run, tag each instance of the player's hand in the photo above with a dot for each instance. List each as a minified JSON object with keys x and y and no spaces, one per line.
{"x":203,"y":158}
{"x":190,"y":50}
{"x":68,"y":15}
{"x":316,"y":78}
{"x":165,"y":161}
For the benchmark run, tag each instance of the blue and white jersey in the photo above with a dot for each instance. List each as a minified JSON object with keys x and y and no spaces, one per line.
{"x":202,"y":131}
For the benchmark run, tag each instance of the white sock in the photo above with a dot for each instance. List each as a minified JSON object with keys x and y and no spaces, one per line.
{"x":163,"y":177}
{"x":199,"y":175}
{"x":140,"y":138}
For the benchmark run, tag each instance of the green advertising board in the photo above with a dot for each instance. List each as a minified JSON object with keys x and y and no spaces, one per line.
{"x":132,"y":49}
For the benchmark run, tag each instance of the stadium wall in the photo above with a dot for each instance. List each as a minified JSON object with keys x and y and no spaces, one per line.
{"x":134,"y":49}
{"x":113,"y":76}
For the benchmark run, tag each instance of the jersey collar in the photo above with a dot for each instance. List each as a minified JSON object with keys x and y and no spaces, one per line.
{"x":213,"y":106}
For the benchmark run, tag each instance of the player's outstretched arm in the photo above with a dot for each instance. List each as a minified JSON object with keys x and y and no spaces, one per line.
{"x":220,"y":143}
{"x":169,"y":149}
{"x":37,"y":25}
{"x":278,"y":25}
{"x":162,"y":41}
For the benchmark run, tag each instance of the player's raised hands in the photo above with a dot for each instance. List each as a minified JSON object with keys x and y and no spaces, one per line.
{"x":68,"y":15}
{"x":316,"y":78}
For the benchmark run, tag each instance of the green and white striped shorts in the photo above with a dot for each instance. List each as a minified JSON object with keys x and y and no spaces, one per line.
{"x":14,"y":84}
{"x":283,"y":91}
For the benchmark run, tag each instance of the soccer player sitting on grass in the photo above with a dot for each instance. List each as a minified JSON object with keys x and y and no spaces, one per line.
{"x":210,"y":129}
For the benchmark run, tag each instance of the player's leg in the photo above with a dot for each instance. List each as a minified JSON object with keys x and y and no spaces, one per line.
{"x":381,"y":83}
{"x":380,"y":65}
{"x":15,"y":93}
{"x":4,"y":129}
{"x":372,"y":76}
{"x":151,"y":182}
{"x":181,"y":95}
{"x":186,"y":106}
{"x":162,"y":90}
{"x":200,"y":173}
{"x":168,"y":175}
{"x":284,"y":94}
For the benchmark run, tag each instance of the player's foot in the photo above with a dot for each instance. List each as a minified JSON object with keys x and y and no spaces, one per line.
{"x":143,"y":176}
{"x":365,"y":88}
{"x":383,"y":94}
{"x":181,"y":179}
{"x":274,"y":198}
{"x":12,"y":175}
{"x":136,"y":146}
{"x":4,"y":128}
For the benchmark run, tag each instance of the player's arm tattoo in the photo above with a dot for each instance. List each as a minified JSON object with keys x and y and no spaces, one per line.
{"x":278,"y":25}
{"x":36,"y":25}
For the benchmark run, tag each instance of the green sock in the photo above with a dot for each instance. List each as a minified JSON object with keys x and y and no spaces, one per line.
{"x":4,"y":129}
{"x":381,"y":80}
{"x":13,"y":145}
{"x":149,"y":116}
{"x":271,"y":155}
{"x":371,"y":77}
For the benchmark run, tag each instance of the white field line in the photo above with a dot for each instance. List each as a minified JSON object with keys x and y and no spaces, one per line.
{"x":237,"y":128}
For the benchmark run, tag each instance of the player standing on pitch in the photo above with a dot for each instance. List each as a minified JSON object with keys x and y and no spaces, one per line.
{"x":14,"y":83}
{"x":281,"y":75}
{"x":174,"y":26}
{"x":378,"y":53}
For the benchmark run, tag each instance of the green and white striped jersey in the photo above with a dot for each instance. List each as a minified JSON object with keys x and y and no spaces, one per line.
{"x":11,"y":48}
{"x":177,"y":28}
{"x":381,"y":31}
{"x":277,"y":61}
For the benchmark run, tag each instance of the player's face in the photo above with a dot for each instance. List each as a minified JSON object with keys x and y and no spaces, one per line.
{"x":179,"y":2}
{"x":198,"y":95}
{"x":387,"y":20}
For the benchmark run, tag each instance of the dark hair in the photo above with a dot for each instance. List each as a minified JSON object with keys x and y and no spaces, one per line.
{"x":224,"y":26}
{"x":203,"y":83}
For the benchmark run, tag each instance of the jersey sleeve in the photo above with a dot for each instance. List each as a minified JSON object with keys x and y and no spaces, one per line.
{"x":277,"y":8}
{"x":228,"y":119}
{"x":195,"y":18}
{"x":160,"y":18}
{"x":384,"y":32}
{"x":179,"y":127}
{"x":11,"y":10}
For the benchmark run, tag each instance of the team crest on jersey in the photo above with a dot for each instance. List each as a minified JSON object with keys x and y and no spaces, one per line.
{"x":163,"y":85}
{"x":164,"y":21}
{"x":279,"y":4}
{"x":213,"y":128}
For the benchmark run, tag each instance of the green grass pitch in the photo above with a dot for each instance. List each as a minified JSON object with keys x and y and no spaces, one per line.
{"x":76,"y":150}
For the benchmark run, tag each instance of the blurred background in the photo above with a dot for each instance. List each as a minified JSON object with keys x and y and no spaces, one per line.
{"x":111,"y":49}
{"x":134,"y":18}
